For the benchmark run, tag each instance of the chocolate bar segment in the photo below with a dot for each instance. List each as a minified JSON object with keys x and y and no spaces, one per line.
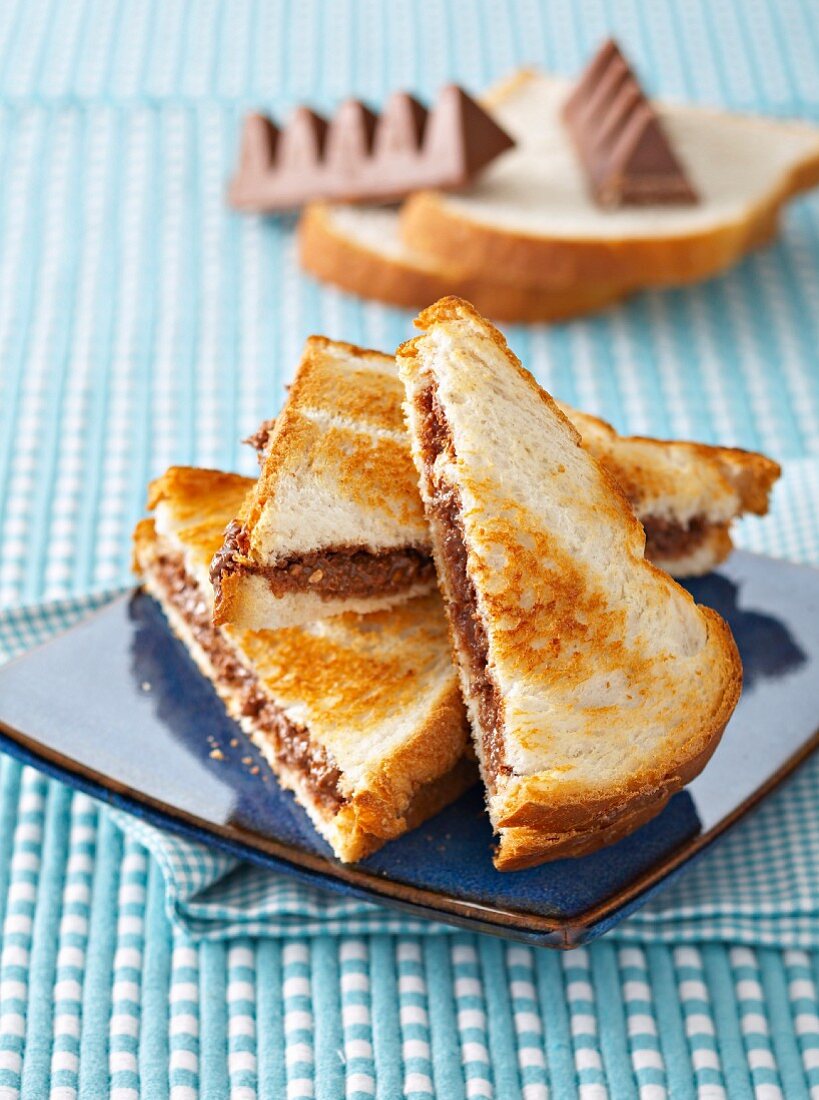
{"x":361,"y":157}
{"x":401,"y":125}
{"x":619,"y":138}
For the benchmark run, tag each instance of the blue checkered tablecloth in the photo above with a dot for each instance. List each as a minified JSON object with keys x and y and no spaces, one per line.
{"x":142,"y":324}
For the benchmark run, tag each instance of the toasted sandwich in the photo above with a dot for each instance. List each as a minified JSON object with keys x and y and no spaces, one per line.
{"x":594,"y":684}
{"x":335,"y":521}
{"x":360,"y":716}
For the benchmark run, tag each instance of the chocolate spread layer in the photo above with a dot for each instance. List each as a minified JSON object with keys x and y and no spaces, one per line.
{"x":464,"y":615}
{"x":667,"y":539}
{"x":332,"y":573}
{"x":291,"y":743}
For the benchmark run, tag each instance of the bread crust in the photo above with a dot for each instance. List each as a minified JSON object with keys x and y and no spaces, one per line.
{"x":336,"y":258}
{"x":428,"y":225}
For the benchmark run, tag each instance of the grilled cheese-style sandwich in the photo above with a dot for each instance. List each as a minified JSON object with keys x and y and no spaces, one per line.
{"x":360,"y":716}
{"x":594,"y":684}
{"x":335,"y":521}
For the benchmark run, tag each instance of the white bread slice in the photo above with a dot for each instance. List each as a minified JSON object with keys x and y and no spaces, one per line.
{"x":376,"y":696}
{"x":531,"y":217}
{"x":360,"y":250}
{"x":337,"y":476}
{"x":594,"y":684}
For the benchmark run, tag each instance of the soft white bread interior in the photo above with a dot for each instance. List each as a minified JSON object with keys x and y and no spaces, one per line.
{"x":360,"y":250}
{"x":597,"y":685}
{"x":531,"y":217}
{"x":376,"y":695}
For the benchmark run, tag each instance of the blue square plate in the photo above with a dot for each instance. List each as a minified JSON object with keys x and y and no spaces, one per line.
{"x":116,"y":706}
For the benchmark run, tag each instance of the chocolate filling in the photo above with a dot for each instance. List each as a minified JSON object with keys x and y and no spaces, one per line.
{"x":291,"y":743}
{"x":669,"y":539}
{"x":464,"y":615}
{"x":332,"y":573}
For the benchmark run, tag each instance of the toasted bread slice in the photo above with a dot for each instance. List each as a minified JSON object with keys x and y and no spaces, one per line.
{"x":530,"y":215}
{"x":334,"y":523}
{"x":360,"y":250}
{"x":361,"y":717}
{"x":595,"y":685}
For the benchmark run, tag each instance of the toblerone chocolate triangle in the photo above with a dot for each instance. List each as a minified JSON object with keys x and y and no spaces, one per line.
{"x":619,"y":139}
{"x":363,"y":157}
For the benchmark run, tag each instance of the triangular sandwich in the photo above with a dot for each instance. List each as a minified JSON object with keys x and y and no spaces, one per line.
{"x":360,"y":716}
{"x":594,"y":684}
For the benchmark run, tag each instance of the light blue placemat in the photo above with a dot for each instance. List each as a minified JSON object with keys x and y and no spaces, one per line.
{"x":142,"y":324}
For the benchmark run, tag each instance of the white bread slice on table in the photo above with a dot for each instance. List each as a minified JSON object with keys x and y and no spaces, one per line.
{"x":336,"y":494}
{"x":359,"y":249}
{"x":373,"y":701}
{"x":530,"y":215}
{"x":594,"y":684}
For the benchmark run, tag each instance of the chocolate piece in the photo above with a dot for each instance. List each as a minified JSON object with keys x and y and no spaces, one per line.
{"x":401,"y":126}
{"x":291,"y":744}
{"x":361,"y":157}
{"x":618,"y":136}
{"x":464,"y":613}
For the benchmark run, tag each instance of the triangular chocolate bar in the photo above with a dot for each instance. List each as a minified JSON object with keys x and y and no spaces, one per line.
{"x":619,"y":138}
{"x":362,"y":158}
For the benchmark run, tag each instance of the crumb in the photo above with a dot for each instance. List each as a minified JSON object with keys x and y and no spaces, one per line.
{"x":145,"y":685}
{"x":234,"y":742}
{"x":217,"y":754}
{"x":247,"y":759}
{"x":254,"y":770}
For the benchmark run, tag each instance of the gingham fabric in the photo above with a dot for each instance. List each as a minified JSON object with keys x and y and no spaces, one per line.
{"x":142,"y":324}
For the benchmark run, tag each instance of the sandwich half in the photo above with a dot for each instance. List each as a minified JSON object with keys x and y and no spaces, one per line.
{"x":594,"y":684}
{"x":359,"y":716}
{"x":335,"y":521}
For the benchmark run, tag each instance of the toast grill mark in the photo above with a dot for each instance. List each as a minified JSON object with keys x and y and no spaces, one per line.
{"x":291,"y":743}
{"x":332,"y":573}
{"x":436,"y":439}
